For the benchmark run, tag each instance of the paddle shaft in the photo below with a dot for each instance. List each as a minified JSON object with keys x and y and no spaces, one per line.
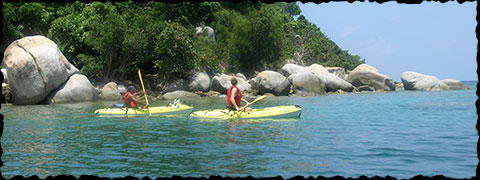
{"x":143,"y":87}
{"x":258,"y":99}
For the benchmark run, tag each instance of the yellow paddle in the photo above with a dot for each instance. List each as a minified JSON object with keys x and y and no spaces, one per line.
{"x":239,"y":114}
{"x":143,"y":87}
{"x":258,"y":99}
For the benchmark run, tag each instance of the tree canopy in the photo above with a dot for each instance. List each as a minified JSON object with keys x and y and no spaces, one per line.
{"x":111,"y":40}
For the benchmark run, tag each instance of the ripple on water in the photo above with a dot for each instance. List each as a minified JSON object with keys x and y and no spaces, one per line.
{"x":401,"y":134}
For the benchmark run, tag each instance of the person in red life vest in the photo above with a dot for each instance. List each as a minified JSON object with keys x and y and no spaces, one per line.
{"x":234,"y":97}
{"x":131,"y":100}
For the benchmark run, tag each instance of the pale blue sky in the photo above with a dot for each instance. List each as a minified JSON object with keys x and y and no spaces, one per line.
{"x":431,"y":38}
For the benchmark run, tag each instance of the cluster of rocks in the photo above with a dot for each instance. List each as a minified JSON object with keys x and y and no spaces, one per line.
{"x":417,"y":81}
{"x":296,"y":80}
{"x":37,"y":72}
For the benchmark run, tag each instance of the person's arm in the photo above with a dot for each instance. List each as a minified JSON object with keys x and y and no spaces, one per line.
{"x":246,"y":104}
{"x":232,"y":98}
{"x":245,"y":101}
{"x":140,"y":102}
{"x":135,"y":100}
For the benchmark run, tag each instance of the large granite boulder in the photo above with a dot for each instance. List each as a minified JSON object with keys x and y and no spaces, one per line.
{"x":77,"y":89}
{"x":110,"y":92}
{"x":200,"y":82}
{"x":454,"y":84}
{"x":418,"y":81}
{"x":122,"y":89}
{"x":205,"y":31}
{"x":289,"y":69}
{"x":35,"y":67}
{"x":221,"y":83}
{"x":240,"y":75}
{"x":307,"y":84}
{"x":179,"y":95}
{"x":174,"y":85}
{"x":365,"y":74}
{"x":337,"y":71}
{"x":332,"y":82}
{"x":270,"y":82}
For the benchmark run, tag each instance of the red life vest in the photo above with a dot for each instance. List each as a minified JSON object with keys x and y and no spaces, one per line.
{"x":128,"y":102}
{"x":237,"y":99}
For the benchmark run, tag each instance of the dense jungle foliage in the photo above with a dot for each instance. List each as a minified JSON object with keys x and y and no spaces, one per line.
{"x":110,"y":41}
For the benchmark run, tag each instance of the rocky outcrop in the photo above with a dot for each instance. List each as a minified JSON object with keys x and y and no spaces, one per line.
{"x":179,"y":95}
{"x":209,"y":94}
{"x":240,"y":75}
{"x":110,"y":92}
{"x":221,"y":83}
{"x":174,"y":85}
{"x":77,"y":89}
{"x":35,"y":67}
{"x":337,"y":71}
{"x":307,"y":84}
{"x":454,"y":84}
{"x":333,"y":83}
{"x":205,"y":31}
{"x":289,"y":69}
{"x":270,"y":82}
{"x":200,"y":82}
{"x":365,"y":74}
{"x":418,"y":81}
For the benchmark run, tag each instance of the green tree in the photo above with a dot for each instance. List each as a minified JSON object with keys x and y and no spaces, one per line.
{"x":189,"y":14}
{"x":143,"y":27}
{"x":312,"y":46}
{"x":175,"y":56}
{"x":259,"y":41}
{"x":68,"y":32}
{"x":110,"y":41}
{"x":291,"y":8}
{"x":206,"y":58}
{"x":11,"y":30}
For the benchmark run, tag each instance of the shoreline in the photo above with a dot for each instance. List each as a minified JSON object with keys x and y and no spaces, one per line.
{"x":152,"y":98}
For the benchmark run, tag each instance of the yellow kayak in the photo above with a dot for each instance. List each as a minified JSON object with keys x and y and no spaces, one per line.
{"x":290,"y":111}
{"x":155,"y":111}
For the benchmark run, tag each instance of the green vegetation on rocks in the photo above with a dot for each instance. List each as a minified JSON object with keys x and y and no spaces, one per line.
{"x":110,"y":41}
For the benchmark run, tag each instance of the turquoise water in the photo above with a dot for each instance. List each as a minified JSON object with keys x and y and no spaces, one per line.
{"x":401,"y":134}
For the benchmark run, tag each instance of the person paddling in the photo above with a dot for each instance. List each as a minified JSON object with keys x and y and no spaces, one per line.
{"x":131,"y":100}
{"x":234,"y":97}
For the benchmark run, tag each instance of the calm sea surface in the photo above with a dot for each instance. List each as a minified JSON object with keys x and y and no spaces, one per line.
{"x":401,"y":134}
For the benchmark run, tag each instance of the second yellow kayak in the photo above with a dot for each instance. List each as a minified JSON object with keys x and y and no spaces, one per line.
{"x":286,"y":111}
